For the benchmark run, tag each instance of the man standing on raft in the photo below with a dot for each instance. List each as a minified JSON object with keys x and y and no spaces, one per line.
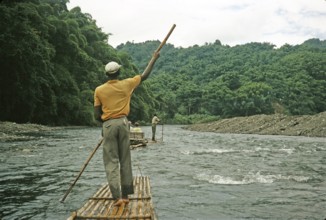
{"x":112,"y":106}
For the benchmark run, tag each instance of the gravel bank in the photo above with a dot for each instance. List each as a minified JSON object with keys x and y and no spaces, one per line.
{"x":277,"y":124}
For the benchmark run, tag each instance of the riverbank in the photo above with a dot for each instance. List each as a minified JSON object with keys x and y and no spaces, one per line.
{"x":305,"y":125}
{"x":277,"y":124}
{"x":11,"y":131}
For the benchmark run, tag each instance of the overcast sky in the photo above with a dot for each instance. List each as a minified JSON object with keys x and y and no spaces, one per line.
{"x":204,"y":21}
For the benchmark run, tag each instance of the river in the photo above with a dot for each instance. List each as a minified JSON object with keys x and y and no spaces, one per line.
{"x":194,"y":175}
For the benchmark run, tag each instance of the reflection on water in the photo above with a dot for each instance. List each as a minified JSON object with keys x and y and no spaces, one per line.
{"x":194,"y":175}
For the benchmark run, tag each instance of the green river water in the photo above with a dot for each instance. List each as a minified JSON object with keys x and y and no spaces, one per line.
{"x":194,"y":175}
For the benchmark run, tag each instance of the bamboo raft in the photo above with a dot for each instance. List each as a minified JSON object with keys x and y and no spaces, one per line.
{"x":100,"y":206}
{"x":137,"y":140}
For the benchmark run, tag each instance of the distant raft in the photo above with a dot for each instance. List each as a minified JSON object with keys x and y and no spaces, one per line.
{"x":137,"y":140}
{"x":100,"y":206}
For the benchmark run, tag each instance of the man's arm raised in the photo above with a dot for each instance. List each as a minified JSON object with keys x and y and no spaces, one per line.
{"x":149,"y":67}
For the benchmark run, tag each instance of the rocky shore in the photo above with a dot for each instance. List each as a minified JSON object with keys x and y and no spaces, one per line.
{"x":10,"y":131}
{"x":277,"y":124}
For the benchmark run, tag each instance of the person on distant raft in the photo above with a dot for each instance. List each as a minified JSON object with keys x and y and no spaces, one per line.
{"x":112,"y":106}
{"x":155,"y":121}
{"x":136,"y":128}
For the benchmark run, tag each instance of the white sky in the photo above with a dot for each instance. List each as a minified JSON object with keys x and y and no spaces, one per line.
{"x":204,"y":21}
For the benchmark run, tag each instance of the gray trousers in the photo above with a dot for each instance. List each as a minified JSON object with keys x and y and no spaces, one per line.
{"x":153,"y":131}
{"x":117,"y":157}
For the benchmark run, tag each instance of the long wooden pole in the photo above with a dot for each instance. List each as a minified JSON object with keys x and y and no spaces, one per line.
{"x":160,"y":47}
{"x":81,"y":171}
{"x":166,"y":38}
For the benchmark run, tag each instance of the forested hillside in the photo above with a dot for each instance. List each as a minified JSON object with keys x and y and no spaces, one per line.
{"x":199,"y":82}
{"x":52,"y":59}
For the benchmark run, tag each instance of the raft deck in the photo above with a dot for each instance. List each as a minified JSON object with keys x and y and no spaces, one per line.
{"x":100,"y":206}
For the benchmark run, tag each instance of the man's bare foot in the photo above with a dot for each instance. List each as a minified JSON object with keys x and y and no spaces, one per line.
{"x":118,"y":202}
{"x":126,"y":201}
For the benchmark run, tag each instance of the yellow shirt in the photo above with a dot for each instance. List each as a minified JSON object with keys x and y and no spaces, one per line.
{"x":155,"y":120}
{"x":114,"y":97}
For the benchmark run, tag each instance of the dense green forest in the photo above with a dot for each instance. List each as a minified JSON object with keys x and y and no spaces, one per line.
{"x":200,"y":82}
{"x":52,"y":59}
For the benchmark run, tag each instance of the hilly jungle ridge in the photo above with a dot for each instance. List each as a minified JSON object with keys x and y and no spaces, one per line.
{"x":52,"y":62}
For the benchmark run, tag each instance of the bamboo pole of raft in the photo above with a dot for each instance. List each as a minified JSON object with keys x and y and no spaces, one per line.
{"x":166,"y":38}
{"x":81,"y":171}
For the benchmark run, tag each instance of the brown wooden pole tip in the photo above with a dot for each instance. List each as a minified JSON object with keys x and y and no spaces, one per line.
{"x":166,"y":38}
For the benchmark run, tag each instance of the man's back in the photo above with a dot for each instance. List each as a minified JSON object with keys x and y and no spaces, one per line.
{"x":114,"y":97}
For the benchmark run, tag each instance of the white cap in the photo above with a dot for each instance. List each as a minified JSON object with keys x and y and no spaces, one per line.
{"x":112,"y":67}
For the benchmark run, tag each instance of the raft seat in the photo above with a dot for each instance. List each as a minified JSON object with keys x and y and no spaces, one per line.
{"x":136,"y":135}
